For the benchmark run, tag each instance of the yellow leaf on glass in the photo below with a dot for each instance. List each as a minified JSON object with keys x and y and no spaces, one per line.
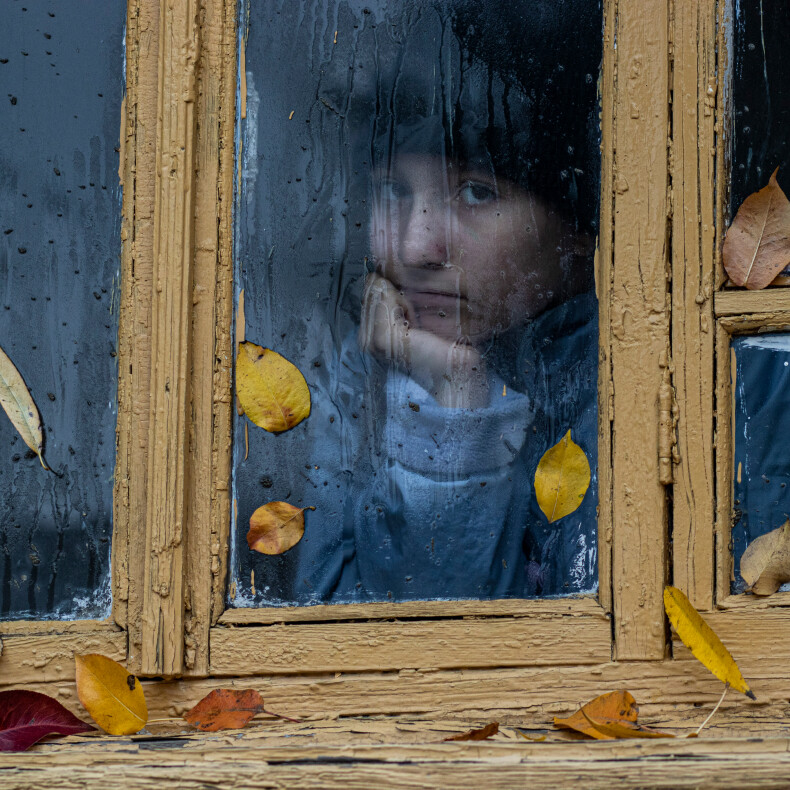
{"x":765,"y":564}
{"x":276,"y":527}
{"x":17,"y":402}
{"x":562,"y":479}
{"x":271,"y":390}
{"x":702,"y":641}
{"x":112,"y":696}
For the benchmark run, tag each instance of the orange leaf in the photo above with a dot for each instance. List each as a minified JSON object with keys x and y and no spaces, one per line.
{"x":276,"y":527}
{"x":757,"y":244}
{"x":225,"y":709}
{"x":614,"y":706}
{"x":112,"y":696}
{"x":619,"y":728}
{"x":477,"y":735}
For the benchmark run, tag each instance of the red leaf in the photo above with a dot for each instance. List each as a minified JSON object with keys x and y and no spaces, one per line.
{"x":225,"y":709}
{"x":27,"y":716}
{"x":477,"y":735}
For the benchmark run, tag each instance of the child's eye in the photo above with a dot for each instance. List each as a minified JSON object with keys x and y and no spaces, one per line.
{"x":475,"y":193}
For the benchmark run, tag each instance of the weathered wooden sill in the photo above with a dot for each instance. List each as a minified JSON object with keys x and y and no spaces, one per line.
{"x":744,"y":747}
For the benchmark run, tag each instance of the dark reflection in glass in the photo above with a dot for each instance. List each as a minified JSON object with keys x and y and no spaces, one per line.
{"x":415,"y":231}
{"x":762,"y":454}
{"x":61,"y":87}
{"x":760,"y":99}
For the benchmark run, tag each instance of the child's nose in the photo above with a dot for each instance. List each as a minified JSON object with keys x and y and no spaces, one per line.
{"x":425,"y":239}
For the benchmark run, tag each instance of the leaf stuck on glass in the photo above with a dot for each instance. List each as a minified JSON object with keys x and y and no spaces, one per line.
{"x":276,"y":527}
{"x":562,"y":479}
{"x":271,"y":390}
{"x":765,"y":565}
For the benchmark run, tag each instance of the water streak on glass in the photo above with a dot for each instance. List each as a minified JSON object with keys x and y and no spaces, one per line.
{"x":415,"y":231}
{"x":61,"y":87}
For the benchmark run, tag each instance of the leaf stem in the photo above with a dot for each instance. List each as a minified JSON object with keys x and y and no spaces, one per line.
{"x":710,"y":716}
{"x":280,"y":716}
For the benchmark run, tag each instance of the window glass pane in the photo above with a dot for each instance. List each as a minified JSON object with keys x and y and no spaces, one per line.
{"x":760,"y":99}
{"x":762,"y":453}
{"x":415,"y":231}
{"x":61,"y":87}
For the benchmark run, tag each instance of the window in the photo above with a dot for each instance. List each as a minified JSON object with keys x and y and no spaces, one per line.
{"x":665,"y":326}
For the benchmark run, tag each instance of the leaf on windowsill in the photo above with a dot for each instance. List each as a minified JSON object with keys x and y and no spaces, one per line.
{"x":614,"y":706}
{"x":702,"y":641}
{"x":28,"y":716}
{"x":765,"y":564}
{"x":113,"y":697}
{"x":271,"y":390}
{"x":477,"y":735}
{"x":757,"y":245}
{"x":276,"y":527}
{"x":562,"y":479}
{"x":619,"y":728}
{"x":225,"y":709}
{"x":17,"y":402}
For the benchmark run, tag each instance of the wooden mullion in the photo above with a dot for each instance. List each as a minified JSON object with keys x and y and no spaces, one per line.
{"x":162,"y":626}
{"x":639,"y":324}
{"x":693,"y":259}
{"x":210,"y":432}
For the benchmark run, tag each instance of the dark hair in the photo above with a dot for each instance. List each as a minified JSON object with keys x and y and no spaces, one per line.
{"x":511,"y":86}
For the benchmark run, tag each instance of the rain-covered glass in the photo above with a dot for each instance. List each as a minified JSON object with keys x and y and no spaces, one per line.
{"x":761,"y":466}
{"x":416,"y":226}
{"x":61,"y":87}
{"x":760,"y":98}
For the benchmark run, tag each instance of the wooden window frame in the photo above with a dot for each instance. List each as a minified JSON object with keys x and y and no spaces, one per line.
{"x":663,"y":152}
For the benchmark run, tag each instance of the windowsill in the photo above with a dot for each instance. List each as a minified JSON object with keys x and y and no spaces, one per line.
{"x":738,"y":749}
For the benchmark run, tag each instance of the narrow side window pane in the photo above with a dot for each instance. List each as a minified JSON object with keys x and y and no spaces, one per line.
{"x":61,"y":88}
{"x":762,"y":453}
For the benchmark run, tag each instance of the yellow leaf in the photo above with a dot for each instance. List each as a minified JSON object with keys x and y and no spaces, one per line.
{"x":765,"y":564}
{"x":18,"y":404}
{"x":270,"y":389}
{"x":112,"y":696}
{"x":276,"y":527}
{"x":702,"y":641}
{"x":614,"y":705}
{"x":562,"y":479}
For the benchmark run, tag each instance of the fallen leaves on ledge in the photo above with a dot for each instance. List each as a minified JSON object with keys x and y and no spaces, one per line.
{"x":614,"y":706}
{"x":28,"y":716}
{"x":225,"y":709}
{"x":702,"y":641}
{"x":476,"y":735}
{"x":113,"y":697}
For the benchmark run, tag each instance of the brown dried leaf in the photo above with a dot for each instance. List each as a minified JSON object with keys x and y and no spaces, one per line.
{"x":614,"y":706}
{"x":225,"y":709}
{"x":276,"y":527}
{"x":477,"y":735}
{"x":618,"y":728}
{"x":757,"y":244}
{"x":765,"y":564}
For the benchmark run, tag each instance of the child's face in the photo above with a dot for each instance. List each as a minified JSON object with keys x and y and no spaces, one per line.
{"x":470,"y":253}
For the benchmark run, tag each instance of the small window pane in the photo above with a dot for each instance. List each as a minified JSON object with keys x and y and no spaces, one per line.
{"x":416,"y":229}
{"x":762,"y":452}
{"x":61,"y":87}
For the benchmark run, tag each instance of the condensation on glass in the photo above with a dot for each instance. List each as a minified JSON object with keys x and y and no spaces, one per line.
{"x":415,"y":231}
{"x":761,"y":464}
{"x":61,"y":87}
{"x":760,"y":99}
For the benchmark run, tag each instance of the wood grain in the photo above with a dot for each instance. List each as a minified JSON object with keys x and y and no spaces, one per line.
{"x":413,"y":610}
{"x":209,"y":455}
{"x":693,"y":261}
{"x":639,"y":324}
{"x":383,"y":646}
{"x":769,"y":300}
